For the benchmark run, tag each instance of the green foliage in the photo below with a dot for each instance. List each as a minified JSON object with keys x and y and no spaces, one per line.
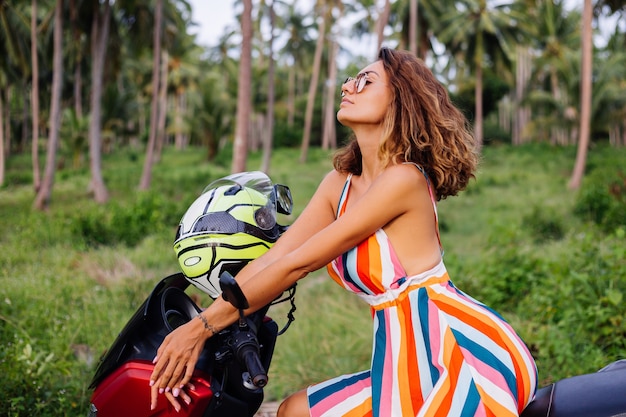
{"x":34,"y":381}
{"x":493,"y":133}
{"x":516,"y":244}
{"x":126,"y":223}
{"x":70,"y":278}
{"x":602,"y":198}
{"x":544,"y":224}
{"x":287,"y":136}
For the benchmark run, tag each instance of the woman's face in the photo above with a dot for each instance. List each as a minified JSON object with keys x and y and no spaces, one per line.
{"x":365,"y":98}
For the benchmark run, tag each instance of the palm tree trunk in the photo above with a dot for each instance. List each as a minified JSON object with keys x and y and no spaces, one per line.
{"x":2,"y":162}
{"x":329,"y":135}
{"x":269,"y":133}
{"x":78,"y":78}
{"x":180,"y":139}
{"x":522,"y":75}
{"x":146,"y":175}
{"x":310,"y":102}
{"x":34,"y":97}
{"x":162,"y":106}
{"x":244,"y":92}
{"x":478,"y":92}
{"x":7,"y":125}
{"x":291,"y":94}
{"x":99,"y":38}
{"x":383,"y":19}
{"x":413,"y":22}
{"x":478,"y":96}
{"x":42,"y":200}
{"x":585,"y":97}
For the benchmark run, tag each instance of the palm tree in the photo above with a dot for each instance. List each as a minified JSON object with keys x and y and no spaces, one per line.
{"x":269,"y":133}
{"x":317,"y":62}
{"x":556,"y":37}
{"x":44,"y":194}
{"x":99,"y":38}
{"x":244,"y":96}
{"x":146,"y":175}
{"x":77,"y":52}
{"x":329,"y":134}
{"x":478,"y":32}
{"x":2,"y":156}
{"x":296,"y":53}
{"x":383,"y":19}
{"x":214,"y":112}
{"x":610,"y":90}
{"x":13,"y":68}
{"x":585,"y":96}
{"x":34,"y":101}
{"x":413,"y":22}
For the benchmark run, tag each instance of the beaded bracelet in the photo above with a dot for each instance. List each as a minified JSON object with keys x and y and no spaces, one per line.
{"x":207,"y":326}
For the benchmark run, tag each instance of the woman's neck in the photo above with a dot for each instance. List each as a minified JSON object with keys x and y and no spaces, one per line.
{"x":369,"y":142}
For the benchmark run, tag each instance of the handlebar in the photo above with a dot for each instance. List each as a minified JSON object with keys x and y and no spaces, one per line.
{"x":243,"y":346}
{"x":250,"y":355}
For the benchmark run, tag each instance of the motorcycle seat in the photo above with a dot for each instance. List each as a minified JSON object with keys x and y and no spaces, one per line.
{"x":598,"y":394}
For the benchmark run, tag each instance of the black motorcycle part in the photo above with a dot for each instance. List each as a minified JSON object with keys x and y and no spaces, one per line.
{"x":166,"y":308}
{"x":226,"y":405}
{"x":599,"y":394}
{"x":235,"y":394}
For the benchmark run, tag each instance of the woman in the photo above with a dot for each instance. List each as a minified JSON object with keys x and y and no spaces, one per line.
{"x":373,"y":220}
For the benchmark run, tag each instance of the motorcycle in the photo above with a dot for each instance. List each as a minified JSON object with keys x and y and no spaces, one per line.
{"x":234,"y":215}
{"x":229,"y":376}
{"x":598,"y":394}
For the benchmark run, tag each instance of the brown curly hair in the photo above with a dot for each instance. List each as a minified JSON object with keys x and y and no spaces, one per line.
{"x":421,"y":126}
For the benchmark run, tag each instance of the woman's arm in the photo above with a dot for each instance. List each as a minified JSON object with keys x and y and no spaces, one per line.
{"x":311,"y":242}
{"x":179,"y":351}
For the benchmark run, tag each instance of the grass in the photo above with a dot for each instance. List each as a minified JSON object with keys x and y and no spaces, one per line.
{"x":512,"y":240}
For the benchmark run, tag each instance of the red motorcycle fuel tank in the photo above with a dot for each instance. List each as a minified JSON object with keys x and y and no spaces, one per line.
{"x":126,"y":393}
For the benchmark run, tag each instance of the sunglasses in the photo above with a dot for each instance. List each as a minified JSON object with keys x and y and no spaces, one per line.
{"x":360,"y":81}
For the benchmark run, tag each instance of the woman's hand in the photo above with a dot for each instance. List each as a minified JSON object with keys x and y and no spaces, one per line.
{"x":182,"y":394}
{"x":175,"y":362}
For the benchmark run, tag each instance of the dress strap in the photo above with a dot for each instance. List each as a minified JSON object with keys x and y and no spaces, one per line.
{"x":433,"y":200}
{"x":341,"y":207}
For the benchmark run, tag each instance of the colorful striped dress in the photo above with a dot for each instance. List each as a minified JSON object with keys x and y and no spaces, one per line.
{"x":436,"y":351}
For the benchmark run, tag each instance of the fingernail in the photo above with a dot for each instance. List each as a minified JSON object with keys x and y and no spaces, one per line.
{"x":175,"y":392}
{"x":177,"y":409}
{"x":155,"y":359}
{"x":151,"y":382}
{"x":187,"y":401}
{"x":167,"y":389}
{"x":161,"y":390}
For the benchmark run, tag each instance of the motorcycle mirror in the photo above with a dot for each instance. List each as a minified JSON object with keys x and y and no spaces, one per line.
{"x":284,"y":201}
{"x":231,"y":291}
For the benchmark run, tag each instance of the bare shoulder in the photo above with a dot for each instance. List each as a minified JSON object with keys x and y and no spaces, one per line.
{"x":333,"y":179}
{"x":332,"y":184}
{"x":403,"y":178}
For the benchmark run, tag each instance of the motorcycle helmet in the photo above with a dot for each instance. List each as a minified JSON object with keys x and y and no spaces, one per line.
{"x":231,"y":223}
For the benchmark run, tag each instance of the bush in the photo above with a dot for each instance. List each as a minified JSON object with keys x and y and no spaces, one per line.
{"x":602,"y":199}
{"x":35,"y":381}
{"x":118,"y":223}
{"x":493,"y":133}
{"x":544,"y":225}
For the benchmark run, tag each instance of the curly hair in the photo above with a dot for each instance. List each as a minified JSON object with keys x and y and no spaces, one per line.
{"x":421,"y":126}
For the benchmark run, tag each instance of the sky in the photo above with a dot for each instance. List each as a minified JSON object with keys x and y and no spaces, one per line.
{"x":212,"y":16}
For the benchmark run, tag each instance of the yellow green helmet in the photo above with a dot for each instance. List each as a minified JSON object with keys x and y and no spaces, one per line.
{"x":231,"y":223}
